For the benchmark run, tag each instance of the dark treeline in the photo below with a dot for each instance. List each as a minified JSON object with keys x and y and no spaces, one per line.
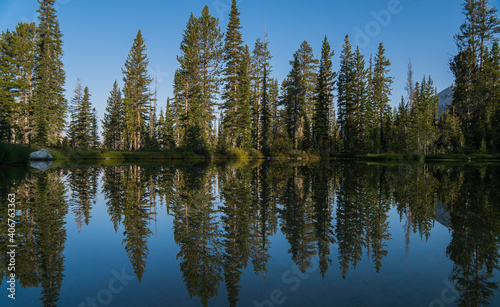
{"x":225,"y":216}
{"x":226,"y":100}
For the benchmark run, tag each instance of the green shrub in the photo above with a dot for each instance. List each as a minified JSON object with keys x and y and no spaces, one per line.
{"x":236,"y":153}
{"x":255,"y":154}
{"x":14,"y":154}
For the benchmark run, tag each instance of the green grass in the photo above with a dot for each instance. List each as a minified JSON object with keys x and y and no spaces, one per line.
{"x":239,"y":154}
{"x":14,"y":154}
{"x":485,"y":157}
{"x":78,"y":155}
{"x":425,"y":158}
{"x":447,"y":157}
{"x":391,"y":158}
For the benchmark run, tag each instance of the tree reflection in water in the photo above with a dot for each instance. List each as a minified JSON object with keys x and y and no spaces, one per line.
{"x":226,"y":214}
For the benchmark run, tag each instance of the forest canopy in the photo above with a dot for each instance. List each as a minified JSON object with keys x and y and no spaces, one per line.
{"x":226,"y":100}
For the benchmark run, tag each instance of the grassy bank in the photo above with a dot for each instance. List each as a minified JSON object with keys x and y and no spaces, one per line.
{"x":78,"y":155}
{"x":14,"y":154}
{"x":18,"y":154}
{"x":423,"y":158}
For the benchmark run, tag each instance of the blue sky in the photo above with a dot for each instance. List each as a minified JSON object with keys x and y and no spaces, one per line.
{"x":98,"y":34}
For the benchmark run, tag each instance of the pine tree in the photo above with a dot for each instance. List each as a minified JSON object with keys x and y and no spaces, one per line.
{"x":381,"y":92}
{"x":151,"y":137}
{"x":410,"y":86}
{"x":196,"y":82}
{"x":236,"y":118}
{"x":113,"y":123}
{"x":477,"y":34}
{"x":166,"y":128}
{"x":400,"y":143}
{"x":17,"y":52}
{"x":451,"y":136}
{"x":245,"y":113}
{"x":492,"y":71}
{"x":360,"y":107}
{"x":463,"y":101}
{"x":294,"y":102}
{"x":479,"y":29}
{"x":265,"y":117}
{"x":277,"y":123}
{"x":345,"y":94}
{"x":211,"y":40}
{"x":160,"y":129}
{"x":25,"y":62}
{"x":94,"y":130}
{"x":76,"y":102}
{"x":50,"y":104}
{"x":260,"y":62}
{"x":136,"y":94}
{"x":324,"y":100}
{"x":81,"y":130}
{"x":424,"y":117}
{"x":8,"y":86}
{"x":371,"y":116}
{"x":186,"y":88}
{"x":308,"y":69}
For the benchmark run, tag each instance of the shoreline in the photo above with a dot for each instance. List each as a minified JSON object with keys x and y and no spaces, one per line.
{"x":17,"y":155}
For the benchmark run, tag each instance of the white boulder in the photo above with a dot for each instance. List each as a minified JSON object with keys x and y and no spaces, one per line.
{"x":41,"y":155}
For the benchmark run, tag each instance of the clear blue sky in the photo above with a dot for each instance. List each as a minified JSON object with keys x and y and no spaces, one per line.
{"x":98,"y":34}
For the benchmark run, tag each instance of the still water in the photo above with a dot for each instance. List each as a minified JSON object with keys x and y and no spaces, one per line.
{"x":252,"y":234}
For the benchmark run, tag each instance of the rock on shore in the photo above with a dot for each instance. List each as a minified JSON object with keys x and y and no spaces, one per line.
{"x":41,"y":155}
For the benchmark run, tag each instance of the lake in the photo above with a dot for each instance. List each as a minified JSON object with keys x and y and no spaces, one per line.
{"x":251,"y":234}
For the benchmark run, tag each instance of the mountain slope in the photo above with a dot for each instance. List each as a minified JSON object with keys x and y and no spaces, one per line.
{"x":445,"y":99}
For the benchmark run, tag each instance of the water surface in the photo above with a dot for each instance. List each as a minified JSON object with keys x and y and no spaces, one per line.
{"x":253,"y":234}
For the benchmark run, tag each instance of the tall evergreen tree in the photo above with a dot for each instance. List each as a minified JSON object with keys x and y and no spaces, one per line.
{"x":260,"y":70}
{"x":185,"y":79}
{"x":345,"y":92}
{"x":17,"y":52}
{"x":136,"y":94}
{"x":410,"y":86}
{"x":50,"y":104}
{"x":196,"y":82}
{"x":308,"y":69}
{"x":80,"y":129}
{"x":360,"y":107}
{"x":8,"y":86}
{"x":294,"y":102}
{"x":74,"y":106}
{"x":236,"y":124}
{"x":400,"y":143}
{"x":424,"y":117}
{"x":166,"y":128}
{"x":151,"y":137}
{"x":451,"y":136}
{"x":265,"y":118}
{"x":324,"y":100}
{"x":479,"y":29}
{"x":492,"y":84}
{"x":94,"y":130}
{"x":211,"y":40}
{"x":25,"y":42}
{"x":113,"y":119}
{"x":279,"y":134}
{"x":477,"y":34}
{"x":381,"y":92}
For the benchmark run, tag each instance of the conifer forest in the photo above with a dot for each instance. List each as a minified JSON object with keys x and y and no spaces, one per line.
{"x":227,"y":100}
